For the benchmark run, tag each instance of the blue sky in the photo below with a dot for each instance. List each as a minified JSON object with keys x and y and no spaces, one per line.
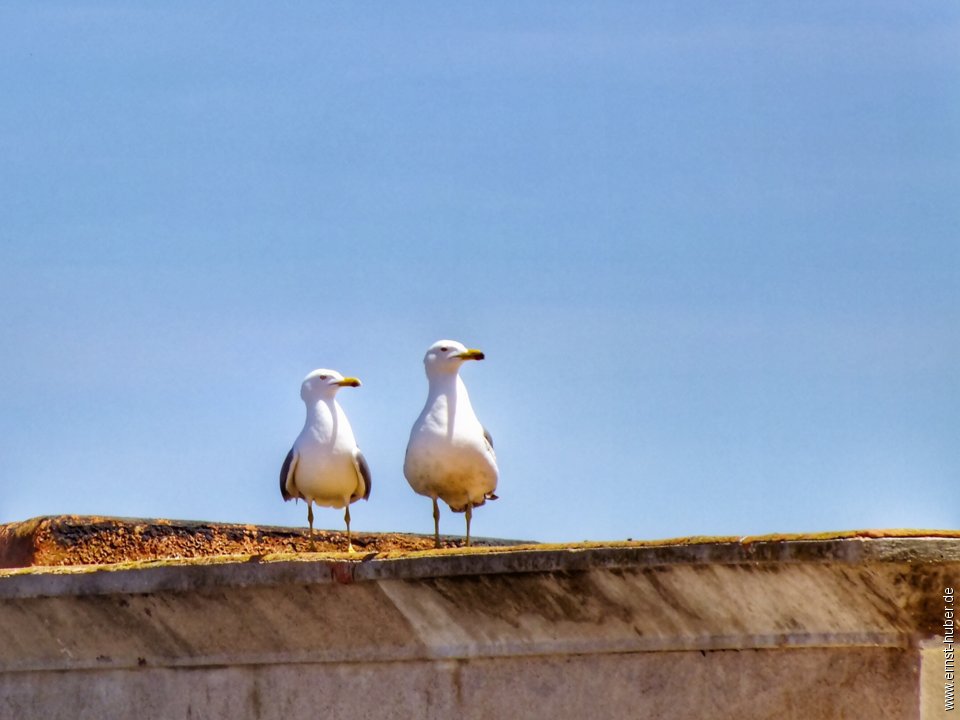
{"x":712,"y":252}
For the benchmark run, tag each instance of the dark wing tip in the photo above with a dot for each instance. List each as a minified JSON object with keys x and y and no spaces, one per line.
{"x":284,"y":473}
{"x":365,"y":473}
{"x":488,"y":437}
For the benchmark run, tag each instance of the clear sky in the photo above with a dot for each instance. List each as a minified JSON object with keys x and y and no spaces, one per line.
{"x":712,"y":252}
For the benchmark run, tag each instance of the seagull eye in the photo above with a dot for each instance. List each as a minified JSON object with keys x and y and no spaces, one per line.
{"x":444,"y":349}
{"x":324,"y":377}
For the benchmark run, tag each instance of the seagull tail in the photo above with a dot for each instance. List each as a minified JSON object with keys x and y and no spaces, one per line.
{"x":487,"y":496}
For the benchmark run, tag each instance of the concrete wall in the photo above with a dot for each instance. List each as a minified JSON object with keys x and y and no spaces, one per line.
{"x":844,"y":628}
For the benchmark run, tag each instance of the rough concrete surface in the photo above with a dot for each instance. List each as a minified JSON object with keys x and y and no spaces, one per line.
{"x":845,"y":626}
{"x":747,"y":685}
{"x":79,"y":540}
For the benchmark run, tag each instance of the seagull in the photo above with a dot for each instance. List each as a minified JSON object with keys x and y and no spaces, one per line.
{"x":450,"y":454}
{"x":325,"y":466}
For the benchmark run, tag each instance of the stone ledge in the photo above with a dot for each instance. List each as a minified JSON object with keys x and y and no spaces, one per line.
{"x":853,"y":590}
{"x":63,"y":540}
{"x":837,"y":625}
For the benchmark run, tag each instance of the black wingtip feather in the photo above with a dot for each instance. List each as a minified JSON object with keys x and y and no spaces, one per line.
{"x":489,"y":437}
{"x":365,"y":472}
{"x":284,"y":472}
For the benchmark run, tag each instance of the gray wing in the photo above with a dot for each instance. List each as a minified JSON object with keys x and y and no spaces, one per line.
{"x":364,"y":471}
{"x":488,"y":437}
{"x":289,"y":465}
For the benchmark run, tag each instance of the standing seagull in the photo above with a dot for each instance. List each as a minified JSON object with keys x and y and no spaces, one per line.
{"x":325,"y":466}
{"x":450,"y":454}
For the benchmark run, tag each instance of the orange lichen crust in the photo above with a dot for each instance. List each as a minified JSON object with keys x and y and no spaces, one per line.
{"x":71,"y":540}
{"x":83,"y":540}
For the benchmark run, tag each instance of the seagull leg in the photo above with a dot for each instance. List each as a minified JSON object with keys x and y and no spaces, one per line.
{"x":346,"y":517}
{"x":313,"y":545}
{"x":469,"y":515}
{"x":436,"y":523}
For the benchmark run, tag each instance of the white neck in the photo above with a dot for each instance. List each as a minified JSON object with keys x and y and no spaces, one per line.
{"x":448,"y":384}
{"x":327,"y":423}
{"x":321,"y":410}
{"x":448,"y":404}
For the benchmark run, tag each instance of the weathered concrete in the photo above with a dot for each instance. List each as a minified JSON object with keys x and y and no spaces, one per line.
{"x":846,"y":627}
{"x":96,"y":540}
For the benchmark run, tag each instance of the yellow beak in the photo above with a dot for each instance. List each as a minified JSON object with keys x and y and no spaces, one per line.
{"x":349,"y":382}
{"x":471,"y":355}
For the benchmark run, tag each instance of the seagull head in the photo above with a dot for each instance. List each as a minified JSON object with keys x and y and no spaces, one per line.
{"x":324,"y":384}
{"x":446,"y":356}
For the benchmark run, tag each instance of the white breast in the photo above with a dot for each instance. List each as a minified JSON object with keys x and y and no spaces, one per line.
{"x":326,"y":472}
{"x":448,"y":456}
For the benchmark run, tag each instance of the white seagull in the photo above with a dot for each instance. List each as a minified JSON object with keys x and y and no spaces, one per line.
{"x":450,"y":454}
{"x":325,"y":466}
